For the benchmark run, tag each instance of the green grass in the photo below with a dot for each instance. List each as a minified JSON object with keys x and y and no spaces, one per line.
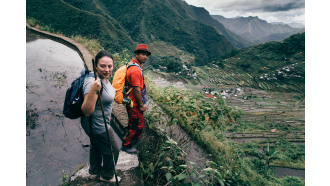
{"x":276,"y":109}
{"x":230,"y":154}
{"x":39,"y":25}
{"x":93,"y":45}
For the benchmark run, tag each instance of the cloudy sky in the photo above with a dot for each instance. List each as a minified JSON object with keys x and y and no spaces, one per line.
{"x":286,"y":11}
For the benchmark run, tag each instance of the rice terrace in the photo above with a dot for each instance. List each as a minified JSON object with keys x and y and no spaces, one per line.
{"x":222,"y":110}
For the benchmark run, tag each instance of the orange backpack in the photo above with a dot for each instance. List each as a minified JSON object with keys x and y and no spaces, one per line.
{"x":120,"y":85}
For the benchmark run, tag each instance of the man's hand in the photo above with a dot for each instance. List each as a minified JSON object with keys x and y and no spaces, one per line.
{"x":138,"y":98}
{"x":143,"y":108}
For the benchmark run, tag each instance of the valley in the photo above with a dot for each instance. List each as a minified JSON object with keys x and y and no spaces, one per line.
{"x":240,"y":100}
{"x":268,"y":117}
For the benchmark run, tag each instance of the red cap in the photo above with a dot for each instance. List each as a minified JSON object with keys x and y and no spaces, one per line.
{"x":142,"y":47}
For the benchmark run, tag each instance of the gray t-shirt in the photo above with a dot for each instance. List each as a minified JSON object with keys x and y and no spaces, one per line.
{"x":107,"y":96}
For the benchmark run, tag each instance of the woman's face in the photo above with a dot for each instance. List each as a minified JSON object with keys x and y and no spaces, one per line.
{"x":104,"y":67}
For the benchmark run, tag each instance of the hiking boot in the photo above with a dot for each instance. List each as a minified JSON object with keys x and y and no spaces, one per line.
{"x":94,"y":176}
{"x":112,"y":180}
{"x":129,"y":149}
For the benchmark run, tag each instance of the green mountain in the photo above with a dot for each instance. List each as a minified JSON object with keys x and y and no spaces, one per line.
{"x":275,"y":65}
{"x":257,"y":30}
{"x":203,"y":15}
{"x":270,"y":55}
{"x":120,"y":24}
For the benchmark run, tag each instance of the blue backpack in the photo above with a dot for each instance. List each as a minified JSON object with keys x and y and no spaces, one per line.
{"x":74,"y":96}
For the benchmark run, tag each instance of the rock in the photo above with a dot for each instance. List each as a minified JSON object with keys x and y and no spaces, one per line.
{"x":127,"y":168}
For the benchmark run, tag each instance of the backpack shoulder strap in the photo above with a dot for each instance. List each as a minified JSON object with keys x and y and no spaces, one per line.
{"x":135,"y":64}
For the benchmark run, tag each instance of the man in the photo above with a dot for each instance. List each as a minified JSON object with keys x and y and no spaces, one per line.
{"x":134,"y":78}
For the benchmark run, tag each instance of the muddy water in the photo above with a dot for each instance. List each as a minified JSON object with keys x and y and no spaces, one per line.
{"x":56,"y":143}
{"x":284,"y":171}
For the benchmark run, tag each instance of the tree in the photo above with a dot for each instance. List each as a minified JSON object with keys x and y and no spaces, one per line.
{"x":174,"y":66}
{"x":268,"y":155}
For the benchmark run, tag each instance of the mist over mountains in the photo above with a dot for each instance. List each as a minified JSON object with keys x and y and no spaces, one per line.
{"x":293,"y":24}
{"x":257,"y":30}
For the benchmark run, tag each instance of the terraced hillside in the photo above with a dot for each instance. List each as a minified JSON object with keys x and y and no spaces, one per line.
{"x":269,"y":91}
{"x":278,"y":66}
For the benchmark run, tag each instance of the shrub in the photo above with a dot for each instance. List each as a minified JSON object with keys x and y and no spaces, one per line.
{"x":292,"y":181}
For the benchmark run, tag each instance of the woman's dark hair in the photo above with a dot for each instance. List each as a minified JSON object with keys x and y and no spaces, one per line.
{"x":102,"y":54}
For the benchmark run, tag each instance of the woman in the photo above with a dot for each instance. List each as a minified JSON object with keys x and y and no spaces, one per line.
{"x":99,"y":147}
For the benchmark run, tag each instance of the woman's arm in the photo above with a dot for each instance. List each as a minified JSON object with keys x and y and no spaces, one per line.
{"x":90,"y":98}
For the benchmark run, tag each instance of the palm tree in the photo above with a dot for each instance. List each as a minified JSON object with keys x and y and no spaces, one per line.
{"x":268,"y":155}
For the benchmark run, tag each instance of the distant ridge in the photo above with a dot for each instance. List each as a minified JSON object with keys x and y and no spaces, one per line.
{"x":293,"y":25}
{"x":257,"y":30}
{"x":203,"y":15}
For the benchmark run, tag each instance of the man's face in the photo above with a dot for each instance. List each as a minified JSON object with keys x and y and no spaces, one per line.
{"x":142,"y":57}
